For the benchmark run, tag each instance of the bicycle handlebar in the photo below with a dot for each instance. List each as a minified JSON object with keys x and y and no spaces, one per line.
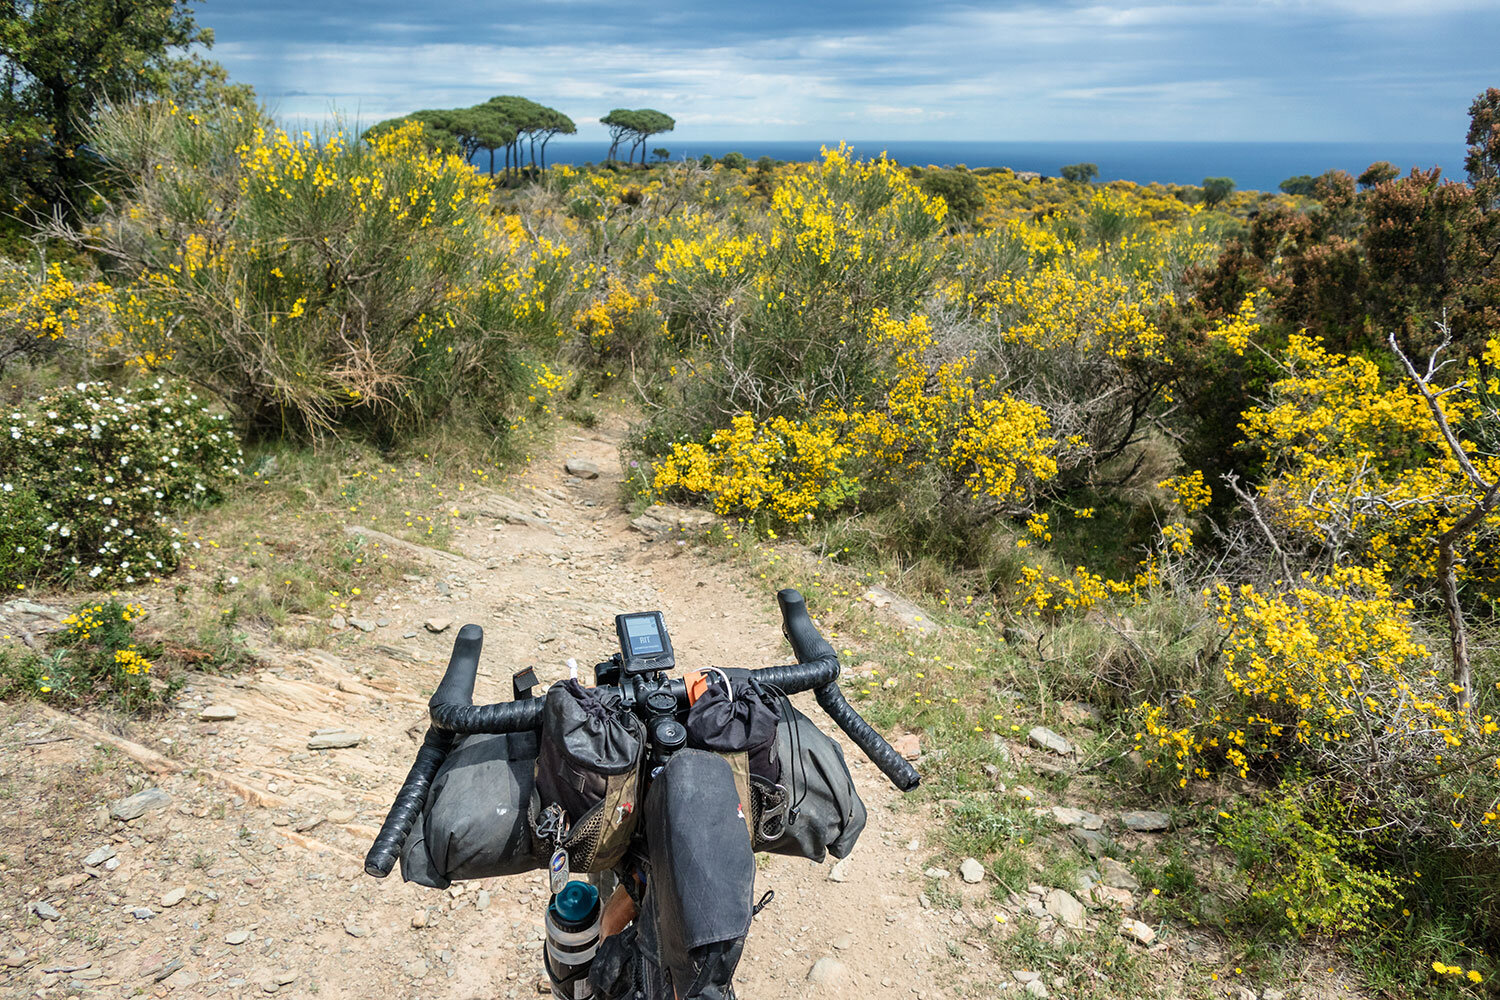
{"x":452,"y":711}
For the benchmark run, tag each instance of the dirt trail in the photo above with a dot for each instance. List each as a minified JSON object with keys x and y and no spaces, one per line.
{"x":266,"y":836}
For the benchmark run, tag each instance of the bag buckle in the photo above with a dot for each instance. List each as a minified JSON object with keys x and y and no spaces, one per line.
{"x":552,"y":824}
{"x":773,"y":816}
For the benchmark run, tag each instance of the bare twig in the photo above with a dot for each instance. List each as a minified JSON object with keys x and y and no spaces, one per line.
{"x":1233,"y":482}
{"x":1447,"y":542}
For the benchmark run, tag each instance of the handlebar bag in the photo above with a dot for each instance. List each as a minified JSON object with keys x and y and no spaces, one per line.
{"x":824,"y":813}
{"x":736,"y":721}
{"x":473,"y":824}
{"x":589,"y":765}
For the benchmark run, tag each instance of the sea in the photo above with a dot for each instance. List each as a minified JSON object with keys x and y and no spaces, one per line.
{"x":1259,"y":166}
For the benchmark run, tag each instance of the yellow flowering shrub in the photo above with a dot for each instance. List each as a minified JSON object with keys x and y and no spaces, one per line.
{"x":96,"y":654}
{"x":1359,"y":464}
{"x":1329,"y":673}
{"x":620,"y":324}
{"x":928,"y":415}
{"x":318,"y":283}
{"x":37,"y":310}
{"x":1189,"y":490}
{"x":778,"y":304}
{"x":791,"y":470}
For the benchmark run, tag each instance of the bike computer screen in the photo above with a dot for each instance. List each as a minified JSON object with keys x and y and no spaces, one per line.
{"x":644,"y":644}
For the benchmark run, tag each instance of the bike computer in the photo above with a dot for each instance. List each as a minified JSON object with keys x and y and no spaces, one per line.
{"x":645,"y":646}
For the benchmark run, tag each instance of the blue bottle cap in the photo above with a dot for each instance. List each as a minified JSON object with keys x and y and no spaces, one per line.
{"x":576,"y":903}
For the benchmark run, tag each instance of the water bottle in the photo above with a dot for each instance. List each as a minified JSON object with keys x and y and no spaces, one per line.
{"x":572,"y":939}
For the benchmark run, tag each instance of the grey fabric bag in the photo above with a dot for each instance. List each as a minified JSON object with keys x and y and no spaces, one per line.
{"x":824,"y":812}
{"x":589,"y":765}
{"x":474,"y":823}
{"x":702,"y":872}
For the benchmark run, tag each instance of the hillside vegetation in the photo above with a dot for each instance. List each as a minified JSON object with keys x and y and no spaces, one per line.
{"x":1225,"y":468}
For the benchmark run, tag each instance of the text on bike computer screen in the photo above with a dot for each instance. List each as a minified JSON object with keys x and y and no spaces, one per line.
{"x":645,"y":637}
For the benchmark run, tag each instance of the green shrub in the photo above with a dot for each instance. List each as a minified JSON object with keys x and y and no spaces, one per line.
{"x":1304,"y":873}
{"x":92,"y":473}
{"x":96,"y":655}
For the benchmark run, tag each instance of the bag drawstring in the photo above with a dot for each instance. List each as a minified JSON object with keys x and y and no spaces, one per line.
{"x":784,"y":709}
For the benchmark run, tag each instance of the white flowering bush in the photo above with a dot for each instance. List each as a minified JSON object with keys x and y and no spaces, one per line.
{"x":90,"y":473}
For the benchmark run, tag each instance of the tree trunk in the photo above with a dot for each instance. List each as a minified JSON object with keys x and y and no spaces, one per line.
{"x":492,"y":161}
{"x":1463,"y":677}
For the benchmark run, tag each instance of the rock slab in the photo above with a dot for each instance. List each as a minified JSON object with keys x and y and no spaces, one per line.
{"x":335,"y":740}
{"x":662,"y":519}
{"x":1065,"y":908}
{"x":582,"y":468}
{"x":1117,"y":876}
{"x":217,"y":713}
{"x":1066,"y":816}
{"x":908,"y":615}
{"x":137,"y":805}
{"x":45,"y":910}
{"x":828,"y":971}
{"x":99,"y":855}
{"x":1146,"y":821}
{"x":1045,"y":739}
{"x":971,"y":871}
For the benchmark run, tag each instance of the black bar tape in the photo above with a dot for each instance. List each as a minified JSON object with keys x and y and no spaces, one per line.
{"x":504,"y":717}
{"x":798,"y":676}
{"x":457,"y":685}
{"x":807,"y":642}
{"x":819,"y":671}
{"x":881,"y":753}
{"x":408,"y":805}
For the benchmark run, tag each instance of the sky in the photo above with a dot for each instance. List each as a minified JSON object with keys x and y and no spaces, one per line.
{"x":1179,"y":70}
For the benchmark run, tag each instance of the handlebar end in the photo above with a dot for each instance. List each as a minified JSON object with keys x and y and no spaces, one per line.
{"x":807,"y":642}
{"x":457,"y":685}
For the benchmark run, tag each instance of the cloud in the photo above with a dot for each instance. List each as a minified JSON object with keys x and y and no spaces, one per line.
{"x":1169,"y":69}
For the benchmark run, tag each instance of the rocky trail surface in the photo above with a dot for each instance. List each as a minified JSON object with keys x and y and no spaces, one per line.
{"x":236,"y":867}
